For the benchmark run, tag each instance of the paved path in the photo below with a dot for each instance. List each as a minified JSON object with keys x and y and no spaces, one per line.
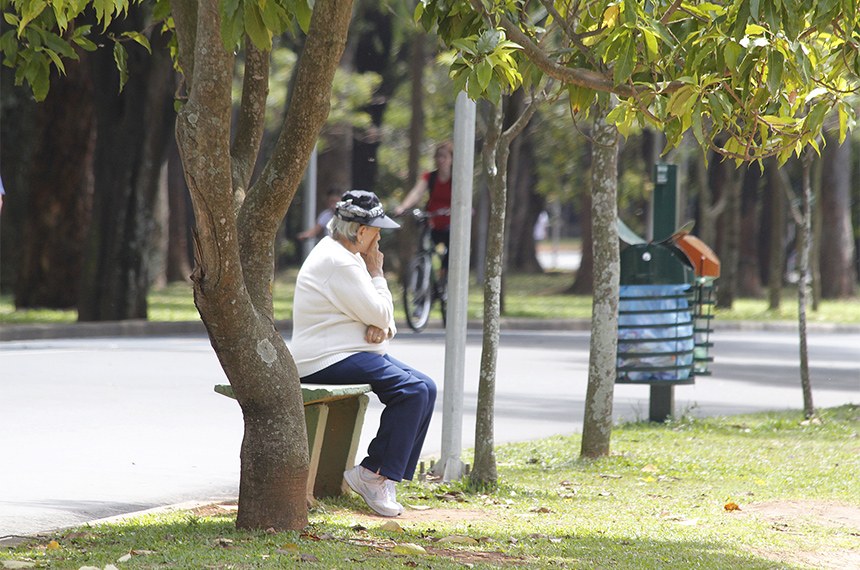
{"x":97,"y":427}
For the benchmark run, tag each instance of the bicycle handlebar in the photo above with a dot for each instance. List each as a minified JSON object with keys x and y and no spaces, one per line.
{"x":422,"y":215}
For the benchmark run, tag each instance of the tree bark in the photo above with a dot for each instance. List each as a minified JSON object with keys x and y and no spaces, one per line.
{"x":233,"y":251}
{"x":583,"y":283}
{"x":749,"y":279}
{"x":774,"y":212}
{"x":804,"y":246}
{"x":59,"y":194}
{"x":836,"y":248}
{"x":178,"y":221}
{"x":603,"y":349}
{"x":526,"y":205}
{"x":729,"y":239}
{"x":495,"y":153}
{"x":132,"y":134}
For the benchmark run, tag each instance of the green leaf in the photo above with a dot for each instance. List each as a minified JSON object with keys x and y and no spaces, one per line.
{"x":681,"y":101}
{"x":484,"y":72}
{"x":303,"y":13}
{"x":256,"y":28}
{"x":139,"y":38}
{"x":775,"y":65}
{"x":843,"y":123}
{"x":56,"y":59}
{"x":11,"y":19}
{"x":625,"y":62}
{"x":38,"y":75}
{"x":30,"y":12}
{"x":120,"y":57}
{"x":650,"y":44}
{"x":104,"y":12}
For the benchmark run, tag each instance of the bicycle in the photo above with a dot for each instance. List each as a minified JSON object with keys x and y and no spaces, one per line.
{"x":423,"y":286}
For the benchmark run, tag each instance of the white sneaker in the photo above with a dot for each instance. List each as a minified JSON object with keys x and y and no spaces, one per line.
{"x":374,"y":489}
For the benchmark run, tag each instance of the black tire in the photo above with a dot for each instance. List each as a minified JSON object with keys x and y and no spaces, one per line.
{"x":418,"y":293}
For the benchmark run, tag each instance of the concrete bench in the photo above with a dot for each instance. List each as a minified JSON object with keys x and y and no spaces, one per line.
{"x":334,"y":415}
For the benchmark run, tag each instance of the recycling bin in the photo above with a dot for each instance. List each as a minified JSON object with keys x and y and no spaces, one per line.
{"x":665,"y":311}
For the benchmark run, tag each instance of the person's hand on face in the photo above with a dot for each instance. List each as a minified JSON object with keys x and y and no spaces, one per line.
{"x":369,"y":250}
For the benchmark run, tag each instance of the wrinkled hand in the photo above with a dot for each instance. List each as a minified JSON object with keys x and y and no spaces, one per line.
{"x":374,"y":335}
{"x":373,"y":260}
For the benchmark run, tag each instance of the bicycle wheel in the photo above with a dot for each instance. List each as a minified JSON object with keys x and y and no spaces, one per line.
{"x":418,"y":294}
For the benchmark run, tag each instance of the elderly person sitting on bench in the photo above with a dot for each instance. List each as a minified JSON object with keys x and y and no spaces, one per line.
{"x":343,"y":317}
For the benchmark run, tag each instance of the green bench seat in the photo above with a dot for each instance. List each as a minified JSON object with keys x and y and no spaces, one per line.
{"x":334,"y":415}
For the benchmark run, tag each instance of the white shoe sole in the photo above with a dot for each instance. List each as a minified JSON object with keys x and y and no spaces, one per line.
{"x":349,"y":477}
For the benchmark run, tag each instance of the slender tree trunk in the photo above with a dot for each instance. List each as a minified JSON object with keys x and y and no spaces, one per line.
{"x":836,"y":248}
{"x":804,"y":247}
{"x":484,"y":471}
{"x":597,"y":422}
{"x":495,"y":154}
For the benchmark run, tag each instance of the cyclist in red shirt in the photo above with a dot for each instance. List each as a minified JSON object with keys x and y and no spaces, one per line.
{"x":438,"y":183}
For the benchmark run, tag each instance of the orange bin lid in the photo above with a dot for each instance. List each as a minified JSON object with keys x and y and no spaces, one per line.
{"x":705,"y":261}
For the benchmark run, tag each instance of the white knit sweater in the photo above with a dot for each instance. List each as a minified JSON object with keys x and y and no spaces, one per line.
{"x":335,"y":301}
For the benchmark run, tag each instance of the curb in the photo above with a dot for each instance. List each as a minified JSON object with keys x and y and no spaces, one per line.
{"x":143,"y":328}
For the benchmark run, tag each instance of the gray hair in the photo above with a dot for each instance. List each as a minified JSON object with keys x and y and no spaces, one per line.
{"x":342,"y":229}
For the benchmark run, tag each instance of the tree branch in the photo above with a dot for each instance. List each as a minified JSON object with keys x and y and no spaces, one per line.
{"x":251,"y":120}
{"x":185,"y":22}
{"x":669,"y":11}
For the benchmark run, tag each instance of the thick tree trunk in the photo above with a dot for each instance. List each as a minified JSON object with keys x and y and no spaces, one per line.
{"x":179,"y":220}
{"x":133,"y":130}
{"x":583,"y":283}
{"x":417,"y":63}
{"x":235,"y":262}
{"x":729,"y":239}
{"x":603,"y":349}
{"x":522,"y":250}
{"x":749,"y":279}
{"x":836,"y":248}
{"x":773,"y":211}
{"x":59,"y":195}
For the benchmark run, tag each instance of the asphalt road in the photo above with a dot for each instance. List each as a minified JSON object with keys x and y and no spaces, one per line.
{"x":98,"y":427}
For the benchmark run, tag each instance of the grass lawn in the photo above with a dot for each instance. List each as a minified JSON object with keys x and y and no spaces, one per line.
{"x":528,"y":296}
{"x":761,"y":491}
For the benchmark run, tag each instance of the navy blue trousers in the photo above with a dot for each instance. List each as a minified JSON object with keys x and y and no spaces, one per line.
{"x":409,"y":397}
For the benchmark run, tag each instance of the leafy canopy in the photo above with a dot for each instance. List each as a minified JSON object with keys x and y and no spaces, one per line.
{"x":45,"y":33}
{"x":759,"y":76}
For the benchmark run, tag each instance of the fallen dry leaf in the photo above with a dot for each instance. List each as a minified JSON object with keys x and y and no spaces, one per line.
{"x":731,"y":507}
{"x":124,"y":558}
{"x":540,"y":510}
{"x":53,"y":545}
{"x":391,"y":526}
{"x":409,"y":548}
{"x":650,"y":468}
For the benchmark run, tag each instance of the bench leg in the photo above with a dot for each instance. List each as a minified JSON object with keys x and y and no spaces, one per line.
{"x":316,"y":416}
{"x":342,"y":433}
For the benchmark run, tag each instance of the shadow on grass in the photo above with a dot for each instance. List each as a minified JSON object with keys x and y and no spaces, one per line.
{"x":184,"y":540}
